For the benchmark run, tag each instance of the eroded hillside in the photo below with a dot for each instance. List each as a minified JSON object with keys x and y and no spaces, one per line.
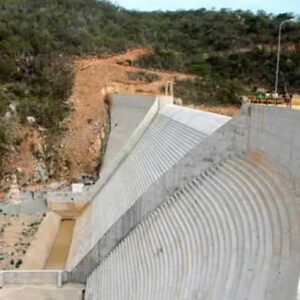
{"x":37,"y":159}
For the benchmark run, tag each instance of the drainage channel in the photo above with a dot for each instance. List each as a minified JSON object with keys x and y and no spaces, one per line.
{"x":59,"y":253}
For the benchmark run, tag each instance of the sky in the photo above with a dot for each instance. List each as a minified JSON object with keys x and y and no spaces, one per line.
{"x":270,"y":6}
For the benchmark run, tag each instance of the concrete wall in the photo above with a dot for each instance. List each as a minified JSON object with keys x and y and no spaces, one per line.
{"x":130,"y":118}
{"x":275,"y":131}
{"x":37,"y":255}
{"x":126,"y":113}
{"x":57,"y":277}
{"x":135,"y":114}
{"x":67,"y":204}
{"x":269,"y":136}
{"x":270,"y":130}
{"x":169,"y":138}
{"x":237,"y":136}
{"x":25,"y":207}
{"x":230,"y":233}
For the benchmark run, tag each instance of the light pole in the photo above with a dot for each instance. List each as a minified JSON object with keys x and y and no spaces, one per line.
{"x":278,"y":54}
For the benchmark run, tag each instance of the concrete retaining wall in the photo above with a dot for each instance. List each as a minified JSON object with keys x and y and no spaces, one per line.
{"x":25,"y":207}
{"x":56,"y":277}
{"x":67,"y":204}
{"x":37,"y":255}
{"x":275,"y":131}
{"x":130,"y":118}
{"x":230,"y":233}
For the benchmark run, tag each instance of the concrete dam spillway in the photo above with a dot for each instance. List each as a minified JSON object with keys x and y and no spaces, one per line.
{"x":59,"y":253}
{"x":189,"y":205}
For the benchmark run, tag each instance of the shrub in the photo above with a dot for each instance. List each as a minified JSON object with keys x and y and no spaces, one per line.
{"x":18,"y":263}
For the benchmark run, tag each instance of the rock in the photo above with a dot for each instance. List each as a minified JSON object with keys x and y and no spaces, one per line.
{"x":102,"y":133}
{"x":96,"y":126}
{"x":14,"y":193}
{"x":31,"y":120}
{"x":41,"y":172}
{"x":7,"y":147}
{"x":42,"y":129}
{"x":178,"y":101}
{"x":7,"y":116}
{"x":19,"y":171}
{"x":13,"y":108}
{"x":54,"y":186}
{"x":244,"y":99}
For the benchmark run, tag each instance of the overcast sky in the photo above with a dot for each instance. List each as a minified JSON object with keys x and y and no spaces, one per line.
{"x":270,"y":6}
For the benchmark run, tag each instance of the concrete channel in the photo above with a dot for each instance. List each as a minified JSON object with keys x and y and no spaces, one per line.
{"x":59,"y":253}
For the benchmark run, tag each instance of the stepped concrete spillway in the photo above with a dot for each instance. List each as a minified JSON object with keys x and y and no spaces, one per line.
{"x":189,"y":205}
{"x":227,"y":226}
{"x":227,"y":234}
{"x":169,"y":137}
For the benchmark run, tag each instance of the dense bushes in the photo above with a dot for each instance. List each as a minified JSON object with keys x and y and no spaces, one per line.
{"x":38,"y":39}
{"x":234,"y":73}
{"x":208,"y":92}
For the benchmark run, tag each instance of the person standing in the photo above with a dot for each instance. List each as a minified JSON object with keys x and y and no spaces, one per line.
{"x":291,"y":99}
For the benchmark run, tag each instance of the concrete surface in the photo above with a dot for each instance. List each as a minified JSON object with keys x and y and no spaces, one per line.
{"x":130,"y":117}
{"x":28,"y":277}
{"x":25,"y":207}
{"x":164,"y":143}
{"x":127,"y":113}
{"x":41,"y":292}
{"x":277,"y":277}
{"x":220,"y":205}
{"x":60,"y":248}
{"x":200,"y":120}
{"x":275,"y":131}
{"x":133,"y":114}
{"x":38,"y":252}
{"x":228,"y":234}
{"x":67,"y":204}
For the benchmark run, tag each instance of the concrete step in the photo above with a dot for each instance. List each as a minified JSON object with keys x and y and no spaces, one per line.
{"x":228,"y":234}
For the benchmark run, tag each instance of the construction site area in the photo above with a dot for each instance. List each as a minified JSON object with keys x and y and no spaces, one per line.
{"x":188,"y":204}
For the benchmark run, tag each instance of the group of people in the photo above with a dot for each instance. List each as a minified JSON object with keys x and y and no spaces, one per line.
{"x":269,"y":97}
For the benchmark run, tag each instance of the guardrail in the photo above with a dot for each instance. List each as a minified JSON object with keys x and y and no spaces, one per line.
{"x":57,"y":277}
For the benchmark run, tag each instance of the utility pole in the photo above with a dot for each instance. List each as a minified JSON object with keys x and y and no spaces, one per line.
{"x":278,"y":54}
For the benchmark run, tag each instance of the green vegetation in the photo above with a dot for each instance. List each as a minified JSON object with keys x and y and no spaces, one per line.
{"x":18,"y":263}
{"x":209,"y":92}
{"x":38,"y":40}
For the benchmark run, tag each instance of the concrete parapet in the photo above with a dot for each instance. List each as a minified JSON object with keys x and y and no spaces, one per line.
{"x":17,"y":277}
{"x":67,"y":204}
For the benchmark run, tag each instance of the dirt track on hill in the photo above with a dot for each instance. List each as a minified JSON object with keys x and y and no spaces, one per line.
{"x":78,"y":149}
{"x":93,"y":78}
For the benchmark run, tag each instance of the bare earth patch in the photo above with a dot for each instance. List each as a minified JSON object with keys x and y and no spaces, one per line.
{"x":78,"y":150}
{"x":93,"y":78}
{"x":16,"y":234}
